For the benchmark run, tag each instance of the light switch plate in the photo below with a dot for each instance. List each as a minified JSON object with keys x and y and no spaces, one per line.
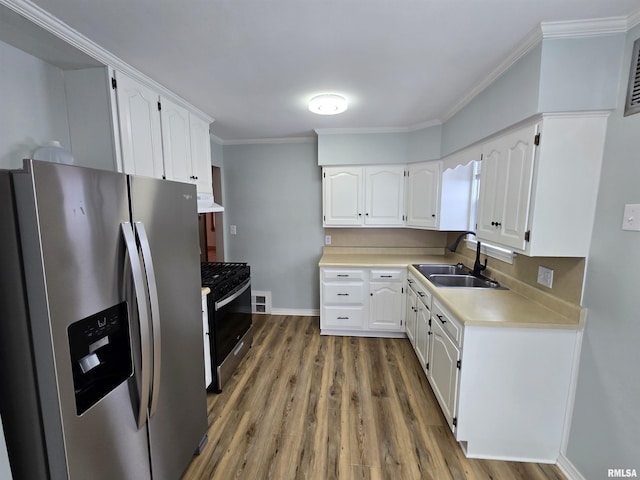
{"x":327,"y":239}
{"x":232,"y":230}
{"x":631,"y":219}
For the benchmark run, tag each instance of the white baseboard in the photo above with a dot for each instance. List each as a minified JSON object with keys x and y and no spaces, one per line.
{"x":568,"y":469}
{"x":296,"y":312}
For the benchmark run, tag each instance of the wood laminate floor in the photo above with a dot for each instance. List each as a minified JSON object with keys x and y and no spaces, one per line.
{"x":305,"y":406}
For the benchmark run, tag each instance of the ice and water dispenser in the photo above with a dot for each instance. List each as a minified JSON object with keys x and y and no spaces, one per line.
{"x":100,"y":355}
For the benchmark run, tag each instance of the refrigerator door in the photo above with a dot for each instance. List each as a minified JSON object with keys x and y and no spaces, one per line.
{"x":73,"y":259}
{"x":165,"y":216}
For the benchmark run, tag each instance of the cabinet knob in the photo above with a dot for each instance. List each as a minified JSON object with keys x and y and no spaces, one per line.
{"x":433,"y":215}
{"x":440,"y":318}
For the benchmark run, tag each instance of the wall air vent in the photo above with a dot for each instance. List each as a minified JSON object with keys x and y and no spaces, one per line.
{"x":632,"y":104}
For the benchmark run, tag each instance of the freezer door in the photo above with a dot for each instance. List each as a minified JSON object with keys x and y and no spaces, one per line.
{"x":165,"y":215}
{"x":73,"y":257}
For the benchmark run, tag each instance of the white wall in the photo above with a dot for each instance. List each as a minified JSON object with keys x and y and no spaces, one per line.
{"x":273,"y":195}
{"x":605,"y":432}
{"x":33,"y":106}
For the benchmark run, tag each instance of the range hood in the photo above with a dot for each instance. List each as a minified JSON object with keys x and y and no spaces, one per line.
{"x":207,"y":205}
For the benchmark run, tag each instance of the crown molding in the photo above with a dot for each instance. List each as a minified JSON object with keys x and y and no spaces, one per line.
{"x":375,"y":130}
{"x":585,"y":28}
{"x":53,"y":25}
{"x":263,"y":141}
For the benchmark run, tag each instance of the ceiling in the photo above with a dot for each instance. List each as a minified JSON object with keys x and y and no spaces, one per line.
{"x":254,"y":64}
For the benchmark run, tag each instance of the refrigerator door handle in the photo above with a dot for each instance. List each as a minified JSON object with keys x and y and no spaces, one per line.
{"x":155,"y":313}
{"x":143,"y":316}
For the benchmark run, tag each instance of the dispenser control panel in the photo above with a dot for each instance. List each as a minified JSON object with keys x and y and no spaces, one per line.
{"x":100,"y":355}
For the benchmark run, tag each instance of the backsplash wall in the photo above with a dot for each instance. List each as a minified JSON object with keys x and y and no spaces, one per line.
{"x":568,"y":273}
{"x":386,"y":237}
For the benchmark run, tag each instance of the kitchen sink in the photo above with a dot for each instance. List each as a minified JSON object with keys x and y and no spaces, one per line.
{"x":441,"y":280}
{"x":458,"y":275}
{"x":428,"y":269}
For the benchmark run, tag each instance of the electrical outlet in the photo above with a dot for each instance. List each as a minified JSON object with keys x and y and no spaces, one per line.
{"x":545,"y":276}
{"x":327,"y":239}
{"x":232,"y":229}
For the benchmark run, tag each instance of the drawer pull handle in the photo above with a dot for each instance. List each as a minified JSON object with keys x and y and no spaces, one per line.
{"x":386,"y":276}
{"x":343,"y":275}
{"x":343,"y":294}
{"x":343,"y":318}
{"x":440,"y":318}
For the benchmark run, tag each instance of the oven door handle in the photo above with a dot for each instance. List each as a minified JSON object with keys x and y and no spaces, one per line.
{"x":231,"y":298}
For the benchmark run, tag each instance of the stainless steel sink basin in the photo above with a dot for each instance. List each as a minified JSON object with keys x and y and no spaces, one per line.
{"x":429,"y":269}
{"x":462,"y":281}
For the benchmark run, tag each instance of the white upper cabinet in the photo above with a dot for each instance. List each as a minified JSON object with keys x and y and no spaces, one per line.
{"x":200,"y":153}
{"x":342,"y":189}
{"x":423,"y":193}
{"x":384,"y":190}
{"x":140,"y":132}
{"x":161,"y":138}
{"x":539,"y":185}
{"x":363,"y":196}
{"x":439,"y":195}
{"x":176,"y":142}
{"x":505,"y":187}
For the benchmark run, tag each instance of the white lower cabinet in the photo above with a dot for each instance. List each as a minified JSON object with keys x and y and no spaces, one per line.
{"x":418,"y":318}
{"x":362,"y":301}
{"x":444,"y":363}
{"x":504,"y":391}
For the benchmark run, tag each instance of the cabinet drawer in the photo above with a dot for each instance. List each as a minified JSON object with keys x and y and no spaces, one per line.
{"x":343,"y":293}
{"x":342,"y":274}
{"x":342,"y":317}
{"x":386,"y":275}
{"x":446,"y":321}
{"x":422,"y":293}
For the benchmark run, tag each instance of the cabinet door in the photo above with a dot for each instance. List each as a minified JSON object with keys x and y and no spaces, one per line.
{"x":200,"y":154}
{"x":410,"y":316}
{"x":386,"y":306}
{"x":176,"y":142}
{"x":384,"y":188}
{"x":343,"y":193}
{"x":422,"y":334}
{"x":423,"y":192}
{"x":505,"y":187}
{"x":443,"y":371}
{"x":140,"y":133}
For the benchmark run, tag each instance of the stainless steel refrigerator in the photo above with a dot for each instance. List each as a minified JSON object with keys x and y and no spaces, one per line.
{"x":101,"y":350}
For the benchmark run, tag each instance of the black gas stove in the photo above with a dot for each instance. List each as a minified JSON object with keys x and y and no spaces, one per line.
{"x":229,"y":310}
{"x":223,"y":277}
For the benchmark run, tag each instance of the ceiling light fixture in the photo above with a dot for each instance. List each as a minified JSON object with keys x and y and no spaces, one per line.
{"x":328,"y":104}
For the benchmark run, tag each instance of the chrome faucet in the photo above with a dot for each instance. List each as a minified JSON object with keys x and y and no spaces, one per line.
{"x":477,"y":265}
